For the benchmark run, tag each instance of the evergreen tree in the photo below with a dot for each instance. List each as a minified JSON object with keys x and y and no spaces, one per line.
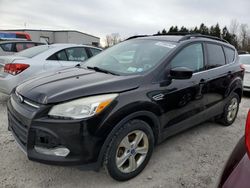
{"x":203,"y":29}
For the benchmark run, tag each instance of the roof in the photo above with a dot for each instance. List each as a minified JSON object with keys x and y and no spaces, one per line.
{"x":20,"y":41}
{"x":45,"y":30}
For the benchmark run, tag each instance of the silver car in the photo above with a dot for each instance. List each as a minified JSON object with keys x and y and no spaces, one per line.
{"x":245,"y":60}
{"x":31,"y":62}
{"x":11,"y":47}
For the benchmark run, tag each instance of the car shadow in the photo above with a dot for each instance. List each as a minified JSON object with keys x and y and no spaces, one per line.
{"x":246,"y":94}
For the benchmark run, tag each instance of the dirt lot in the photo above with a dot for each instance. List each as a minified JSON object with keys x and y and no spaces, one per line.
{"x":191,"y":159}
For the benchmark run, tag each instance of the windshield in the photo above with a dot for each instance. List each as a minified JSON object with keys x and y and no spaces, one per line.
{"x":31,"y":52}
{"x":245,"y":59}
{"x":131,"y":57}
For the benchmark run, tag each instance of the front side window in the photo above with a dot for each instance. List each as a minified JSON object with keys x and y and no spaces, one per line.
{"x":132,"y":56}
{"x":216,"y":57}
{"x":190,"y":57}
{"x":76,"y":54}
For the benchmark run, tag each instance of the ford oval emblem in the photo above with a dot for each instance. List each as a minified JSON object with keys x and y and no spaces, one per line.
{"x":20,"y":98}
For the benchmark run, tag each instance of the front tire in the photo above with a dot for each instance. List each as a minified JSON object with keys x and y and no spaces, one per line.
{"x":130,"y":150}
{"x":230,"y":110}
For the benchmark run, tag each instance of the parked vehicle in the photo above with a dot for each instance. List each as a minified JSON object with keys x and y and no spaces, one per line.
{"x":40,"y":59}
{"x":237,"y":169}
{"x":11,"y":47}
{"x":245,"y":60}
{"x":118,"y":105}
{"x":14,"y":36}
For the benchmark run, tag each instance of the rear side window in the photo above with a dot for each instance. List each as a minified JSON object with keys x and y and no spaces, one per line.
{"x":61,"y":56}
{"x":190,"y":57}
{"x":216,"y":57}
{"x":7,"y":47}
{"x":76,"y":54}
{"x":230,"y":54}
{"x":94,"y":51}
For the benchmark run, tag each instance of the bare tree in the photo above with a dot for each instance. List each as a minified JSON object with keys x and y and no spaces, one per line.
{"x":112,"y":39}
{"x":234,"y":26}
{"x":108,"y":41}
{"x":244,"y":35}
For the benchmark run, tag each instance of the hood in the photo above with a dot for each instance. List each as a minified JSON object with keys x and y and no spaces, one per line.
{"x":74,"y":83}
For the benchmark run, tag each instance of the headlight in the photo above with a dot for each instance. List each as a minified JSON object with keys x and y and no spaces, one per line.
{"x":82,"y":108}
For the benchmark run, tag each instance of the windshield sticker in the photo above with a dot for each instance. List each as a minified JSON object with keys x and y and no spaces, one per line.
{"x":165,"y":44}
{"x":132,"y":69}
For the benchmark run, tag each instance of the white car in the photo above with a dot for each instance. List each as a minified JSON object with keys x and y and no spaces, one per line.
{"x":26,"y":64}
{"x":245,"y":60}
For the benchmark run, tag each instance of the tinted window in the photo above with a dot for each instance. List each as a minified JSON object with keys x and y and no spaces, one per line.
{"x":230,"y":53}
{"x":190,"y":57}
{"x":94,"y":51}
{"x":6,"y":47}
{"x":216,"y":56}
{"x":76,"y":54}
{"x":31,"y":52}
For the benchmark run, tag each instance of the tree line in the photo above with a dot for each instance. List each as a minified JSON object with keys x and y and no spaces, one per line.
{"x":236,"y":34}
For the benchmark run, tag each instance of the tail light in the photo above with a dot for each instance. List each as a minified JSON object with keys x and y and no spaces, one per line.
{"x":247,"y":134}
{"x":15,"y":68}
{"x":242,"y":66}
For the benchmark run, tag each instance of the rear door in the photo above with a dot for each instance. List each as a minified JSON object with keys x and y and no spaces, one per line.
{"x":217,"y":77}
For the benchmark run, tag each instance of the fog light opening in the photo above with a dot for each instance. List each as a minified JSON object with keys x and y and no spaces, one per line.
{"x":58,"y":151}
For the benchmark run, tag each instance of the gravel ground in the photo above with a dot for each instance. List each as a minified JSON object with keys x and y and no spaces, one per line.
{"x":194,"y":158}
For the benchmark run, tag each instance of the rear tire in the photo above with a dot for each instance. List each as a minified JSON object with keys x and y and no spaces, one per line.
{"x":129,"y":150}
{"x":230,"y":110}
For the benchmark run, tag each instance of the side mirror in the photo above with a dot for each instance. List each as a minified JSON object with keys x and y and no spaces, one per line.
{"x":181,"y":73}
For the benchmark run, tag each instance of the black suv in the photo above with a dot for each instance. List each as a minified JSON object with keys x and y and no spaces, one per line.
{"x":114,"y":108}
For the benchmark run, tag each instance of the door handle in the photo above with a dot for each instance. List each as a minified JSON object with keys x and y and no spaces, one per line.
{"x":202,"y":81}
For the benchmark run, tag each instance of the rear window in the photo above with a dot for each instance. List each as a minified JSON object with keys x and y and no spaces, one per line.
{"x":31,"y":52}
{"x":23,"y":46}
{"x":216,"y":57}
{"x":245,"y":59}
{"x":230,"y":54}
{"x":7,"y":47}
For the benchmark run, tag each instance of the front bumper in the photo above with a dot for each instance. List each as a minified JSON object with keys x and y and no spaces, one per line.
{"x":31,"y":129}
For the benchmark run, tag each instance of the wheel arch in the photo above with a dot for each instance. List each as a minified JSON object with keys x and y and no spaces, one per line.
{"x":149,"y":117}
{"x":236,"y":86}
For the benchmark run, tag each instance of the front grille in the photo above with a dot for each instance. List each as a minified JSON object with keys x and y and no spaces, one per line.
{"x":19,"y":130}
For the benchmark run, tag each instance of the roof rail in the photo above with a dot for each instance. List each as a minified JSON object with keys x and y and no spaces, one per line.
{"x":197,"y":35}
{"x":137,"y":36}
{"x":173,"y":33}
{"x":186,"y":36}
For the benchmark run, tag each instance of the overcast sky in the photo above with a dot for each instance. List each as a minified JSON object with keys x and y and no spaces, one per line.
{"x":126,"y":17}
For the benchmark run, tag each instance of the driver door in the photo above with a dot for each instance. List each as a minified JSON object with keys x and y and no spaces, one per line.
{"x":183,"y":99}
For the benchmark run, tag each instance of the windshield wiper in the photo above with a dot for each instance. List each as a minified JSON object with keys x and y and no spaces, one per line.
{"x":97,"y":69}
